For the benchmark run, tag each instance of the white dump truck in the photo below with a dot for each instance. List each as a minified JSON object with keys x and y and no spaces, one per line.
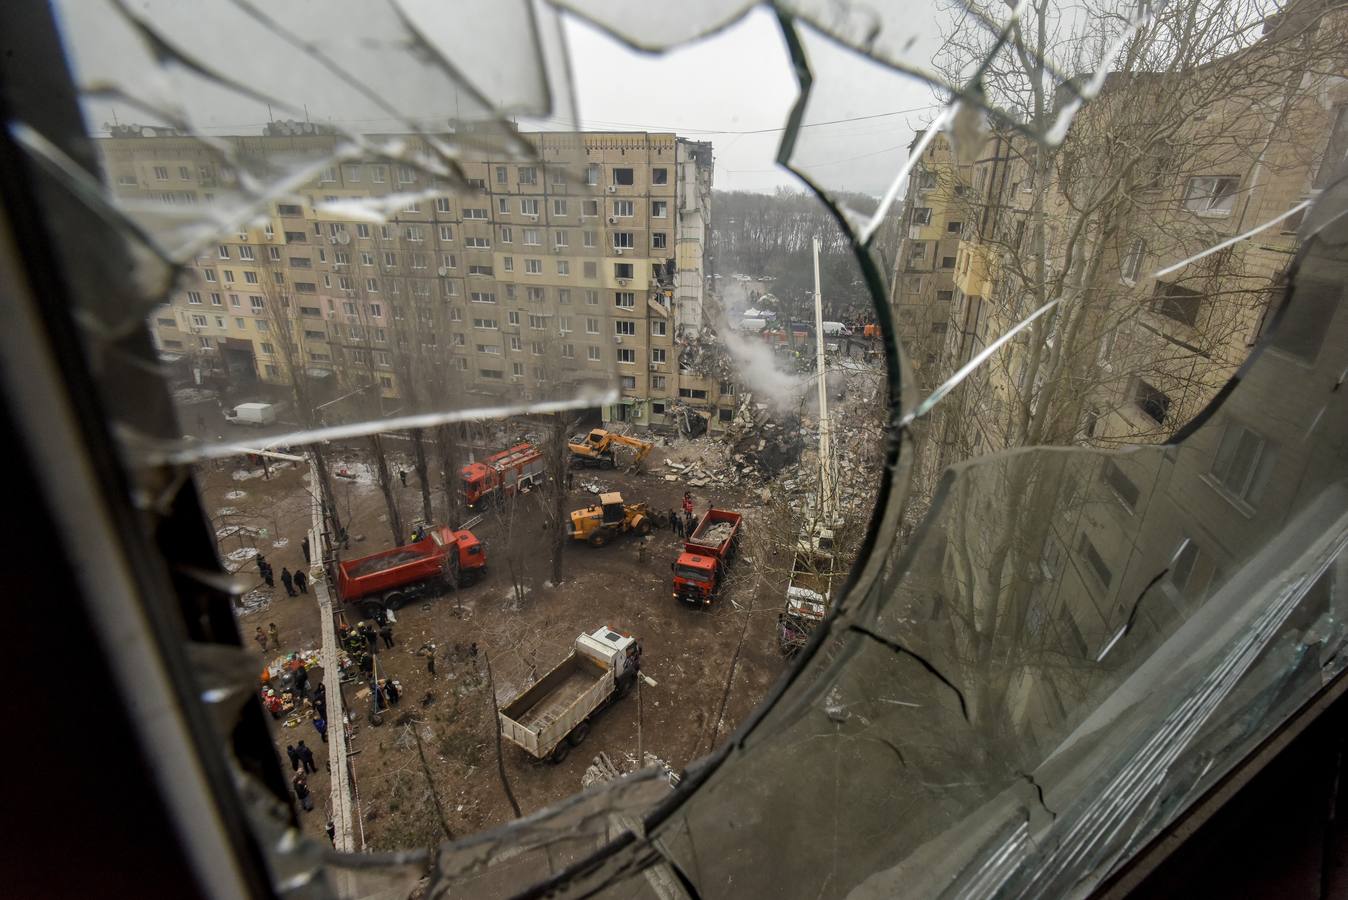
{"x":553,"y":715}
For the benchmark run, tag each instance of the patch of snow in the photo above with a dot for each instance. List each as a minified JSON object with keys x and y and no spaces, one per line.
{"x":189,"y":395}
{"x":227,"y":511}
{"x":243,"y":554}
{"x":246,"y":474}
{"x":280,"y":542}
{"x":253,"y":601}
{"x":236,"y":495}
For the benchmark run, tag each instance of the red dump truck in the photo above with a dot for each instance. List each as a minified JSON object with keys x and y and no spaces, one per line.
{"x":502,"y":474}
{"x":706,"y":553}
{"x":445,"y":558}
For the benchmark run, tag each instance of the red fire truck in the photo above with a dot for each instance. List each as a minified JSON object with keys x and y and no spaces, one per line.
{"x":502,"y":474}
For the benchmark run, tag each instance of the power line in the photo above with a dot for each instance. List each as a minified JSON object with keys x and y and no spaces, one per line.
{"x":691,"y":130}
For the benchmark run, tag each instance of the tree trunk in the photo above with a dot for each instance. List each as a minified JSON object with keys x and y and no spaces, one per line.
{"x":395,"y":521}
{"x":557,"y":462}
{"x":448,"y":444}
{"x":327,"y":498}
{"x":419,"y":463}
{"x":496,"y":730}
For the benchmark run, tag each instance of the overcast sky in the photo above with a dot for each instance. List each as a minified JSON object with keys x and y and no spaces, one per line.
{"x":734,"y":89}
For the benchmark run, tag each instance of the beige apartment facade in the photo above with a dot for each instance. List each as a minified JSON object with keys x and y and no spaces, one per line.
{"x":580,"y":266}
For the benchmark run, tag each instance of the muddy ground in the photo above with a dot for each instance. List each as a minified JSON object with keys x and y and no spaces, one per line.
{"x":710,"y":668}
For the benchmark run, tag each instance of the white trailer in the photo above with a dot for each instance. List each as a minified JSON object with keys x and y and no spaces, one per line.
{"x":553,"y":714}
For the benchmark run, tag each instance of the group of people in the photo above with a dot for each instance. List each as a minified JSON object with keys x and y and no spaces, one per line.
{"x":683,"y":523}
{"x":295,"y":583}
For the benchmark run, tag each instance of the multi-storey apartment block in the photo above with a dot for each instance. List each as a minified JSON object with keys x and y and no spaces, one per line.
{"x":581,"y":265}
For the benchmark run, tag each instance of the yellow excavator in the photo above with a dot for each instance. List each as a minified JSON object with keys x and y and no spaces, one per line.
{"x":597,"y":525}
{"x":596,"y":450}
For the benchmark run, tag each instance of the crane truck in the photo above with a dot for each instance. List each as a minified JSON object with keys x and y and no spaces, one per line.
{"x":445,"y":558}
{"x":706,"y":552}
{"x":597,"y":449}
{"x":809,"y":591}
{"x":553,"y":715}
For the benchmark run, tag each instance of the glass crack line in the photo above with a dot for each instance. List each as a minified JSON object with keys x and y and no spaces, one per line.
{"x":1229,"y":242}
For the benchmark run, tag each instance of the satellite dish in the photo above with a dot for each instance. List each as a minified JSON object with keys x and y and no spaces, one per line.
{"x":442,"y":271}
{"x":343,"y":237}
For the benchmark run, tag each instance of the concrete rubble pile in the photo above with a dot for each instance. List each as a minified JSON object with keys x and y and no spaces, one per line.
{"x":716,"y":534}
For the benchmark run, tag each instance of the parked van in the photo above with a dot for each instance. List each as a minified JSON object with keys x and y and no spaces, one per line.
{"x":252,"y":414}
{"x":836,"y":329}
{"x":748,"y":324}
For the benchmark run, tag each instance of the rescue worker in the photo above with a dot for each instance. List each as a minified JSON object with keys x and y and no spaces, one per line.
{"x":294,"y":757}
{"x":288,"y":581}
{"x":306,"y":758}
{"x":301,"y":786}
{"x":386,"y":633}
{"x":301,"y":581}
{"x":275,"y":636}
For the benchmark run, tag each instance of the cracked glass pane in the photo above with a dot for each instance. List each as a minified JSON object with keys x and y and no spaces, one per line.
{"x":1050,"y":543}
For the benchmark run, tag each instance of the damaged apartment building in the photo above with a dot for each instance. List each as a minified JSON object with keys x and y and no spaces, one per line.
{"x":583,"y":262}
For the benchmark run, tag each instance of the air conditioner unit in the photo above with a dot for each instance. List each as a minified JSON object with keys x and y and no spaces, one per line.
{"x":618,"y":250}
{"x":442,"y":271}
{"x":613,"y":220}
{"x":332,"y":239}
{"x":557,"y":248}
{"x":622,"y":281}
{"x":655,"y":367}
{"x":612,"y":188}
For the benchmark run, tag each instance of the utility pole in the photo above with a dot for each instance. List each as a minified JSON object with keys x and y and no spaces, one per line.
{"x":826,"y":504}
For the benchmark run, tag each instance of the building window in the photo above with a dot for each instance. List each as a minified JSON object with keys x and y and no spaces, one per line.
{"x":531,"y":238}
{"x":446,"y":232}
{"x":200,"y":321}
{"x":589,"y":238}
{"x":1211,"y":195}
{"x":533,"y":267}
{"x":475,"y":214}
{"x":564,"y":324}
{"x":559,"y":238}
{"x":482,"y":270}
{"x":659,"y":240}
{"x":479,"y":243}
{"x":512,"y":317}
{"x":622,"y":270}
{"x":1335,"y":150}
{"x":559,"y":207}
{"x":954,"y":227}
{"x":692,"y":393}
{"x":274,"y":254}
{"x":623,"y":177}
{"x":659,"y":209}
{"x":589,"y":208}
{"x":657,"y":384}
{"x":528,"y":175}
{"x":658,"y":354}
{"x":625,"y":299}
{"x":563,"y":267}
{"x":922,"y":215}
{"x":623,"y":209}
{"x":591,"y":326}
{"x":1095,"y":561}
{"x":627,"y":356}
{"x":256,"y":302}
{"x":1178,"y":303}
{"x":529,"y":207}
{"x":658,"y":327}
{"x":568,"y":351}
{"x":1121,"y":485}
{"x":593,"y":354}
{"x":486,"y":324}
{"x":1153,"y":403}
{"x":194,"y":298}
{"x":564,"y":296}
{"x":1242,"y":464}
{"x":623,"y":240}
{"x":507,"y":263}
{"x":1132,"y":263}
{"x":481,"y":297}
{"x":506,"y":234}
{"x":947,"y":262}
{"x":592,"y":175}
{"x":216,"y":300}
{"x":625,"y":326}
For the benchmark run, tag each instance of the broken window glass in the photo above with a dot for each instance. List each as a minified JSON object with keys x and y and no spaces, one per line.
{"x":1098,"y":557}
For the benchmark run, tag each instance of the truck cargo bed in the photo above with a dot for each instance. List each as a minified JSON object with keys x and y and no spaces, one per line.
{"x":549,"y":707}
{"x":380,"y":563}
{"x":713,"y":535}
